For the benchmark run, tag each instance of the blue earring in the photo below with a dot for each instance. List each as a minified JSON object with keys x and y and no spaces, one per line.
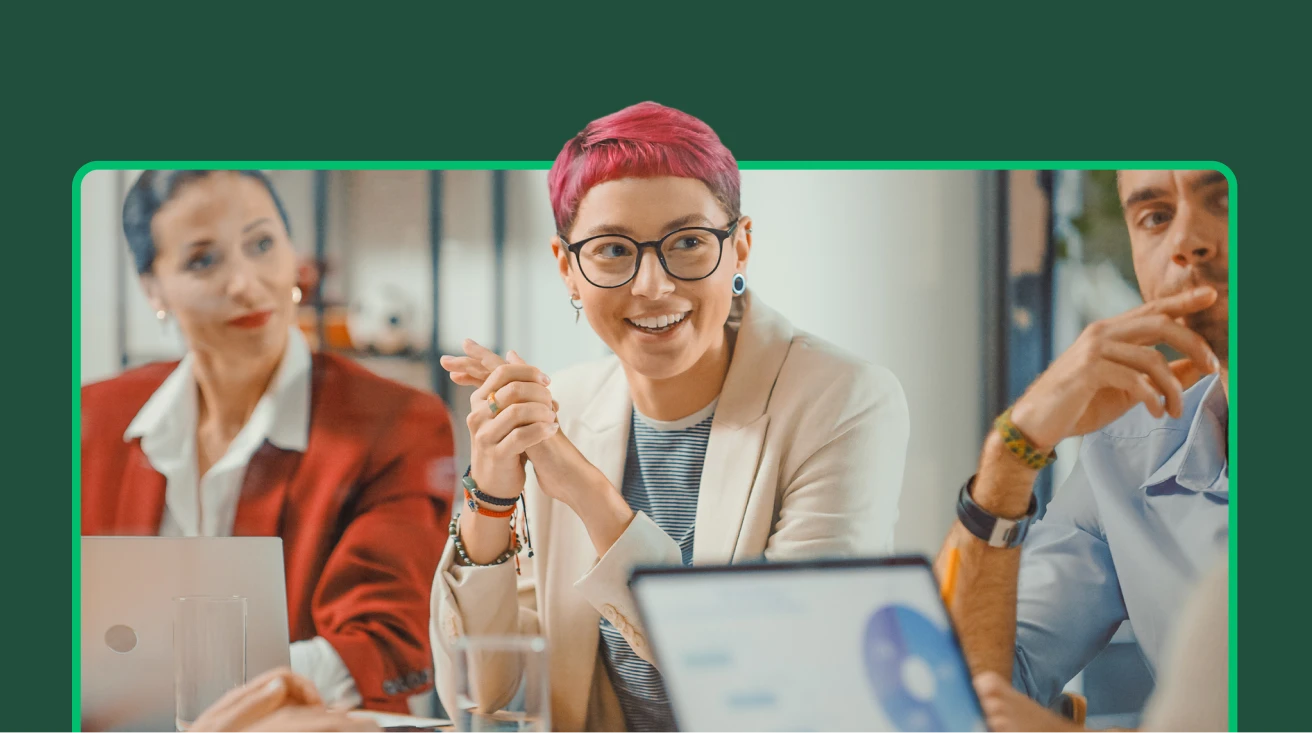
{"x":739,"y":284}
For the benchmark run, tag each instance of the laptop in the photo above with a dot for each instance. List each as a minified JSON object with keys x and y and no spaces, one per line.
{"x":829,"y":645}
{"x":128,"y":587}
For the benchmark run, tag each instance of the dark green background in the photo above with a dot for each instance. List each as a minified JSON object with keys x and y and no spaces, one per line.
{"x":806,"y":81}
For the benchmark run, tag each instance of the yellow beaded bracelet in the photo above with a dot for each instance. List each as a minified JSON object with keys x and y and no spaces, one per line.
{"x":1019,"y":445}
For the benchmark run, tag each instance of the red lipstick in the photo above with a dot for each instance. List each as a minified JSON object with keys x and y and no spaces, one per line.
{"x":252,"y":320}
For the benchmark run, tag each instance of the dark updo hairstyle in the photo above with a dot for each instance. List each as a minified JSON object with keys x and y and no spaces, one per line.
{"x":151,"y":191}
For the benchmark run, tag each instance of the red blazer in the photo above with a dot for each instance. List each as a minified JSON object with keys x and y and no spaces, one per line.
{"x":362,"y":513}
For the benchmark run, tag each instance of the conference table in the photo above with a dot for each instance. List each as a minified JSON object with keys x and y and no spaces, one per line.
{"x":394,"y":722}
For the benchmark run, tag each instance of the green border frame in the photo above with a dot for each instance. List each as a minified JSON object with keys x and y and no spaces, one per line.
{"x":516,"y":165}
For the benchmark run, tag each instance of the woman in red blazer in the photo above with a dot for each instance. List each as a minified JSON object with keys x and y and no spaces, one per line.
{"x":251,"y":434}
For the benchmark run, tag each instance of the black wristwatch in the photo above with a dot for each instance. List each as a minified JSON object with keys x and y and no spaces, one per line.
{"x":996,"y":531}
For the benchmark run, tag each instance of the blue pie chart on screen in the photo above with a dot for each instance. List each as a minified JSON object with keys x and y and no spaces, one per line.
{"x":916,"y":673}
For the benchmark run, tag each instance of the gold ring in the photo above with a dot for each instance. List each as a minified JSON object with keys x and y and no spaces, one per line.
{"x":492,"y":405}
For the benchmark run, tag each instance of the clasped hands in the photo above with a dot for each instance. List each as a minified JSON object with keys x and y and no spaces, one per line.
{"x":524,"y":428}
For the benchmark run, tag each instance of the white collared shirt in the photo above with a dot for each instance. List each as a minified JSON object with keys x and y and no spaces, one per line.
{"x":206,"y":506}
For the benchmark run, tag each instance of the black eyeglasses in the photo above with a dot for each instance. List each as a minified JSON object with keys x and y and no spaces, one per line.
{"x":612,"y":260}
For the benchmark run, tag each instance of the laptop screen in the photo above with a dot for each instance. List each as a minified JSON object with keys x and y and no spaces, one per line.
{"x":842,"y":645}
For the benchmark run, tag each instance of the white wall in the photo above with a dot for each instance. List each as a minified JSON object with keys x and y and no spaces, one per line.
{"x":883,"y":263}
{"x":887,"y":265}
{"x":100,"y":249}
{"x":540,"y":321}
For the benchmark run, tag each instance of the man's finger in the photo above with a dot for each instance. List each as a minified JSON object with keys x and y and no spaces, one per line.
{"x":1134,"y":383}
{"x":1150,"y":361}
{"x":1182,"y":304}
{"x":1161,"y":329}
{"x":1187,"y":372}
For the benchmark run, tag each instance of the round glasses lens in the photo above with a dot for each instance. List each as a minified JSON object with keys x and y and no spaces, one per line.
{"x":691,"y":254}
{"x":608,"y":261}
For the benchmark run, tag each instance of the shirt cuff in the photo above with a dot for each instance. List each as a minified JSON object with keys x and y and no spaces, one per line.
{"x":606,"y":585}
{"x":317,"y":660}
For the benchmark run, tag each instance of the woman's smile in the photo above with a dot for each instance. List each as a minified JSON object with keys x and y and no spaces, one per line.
{"x":658,"y":325}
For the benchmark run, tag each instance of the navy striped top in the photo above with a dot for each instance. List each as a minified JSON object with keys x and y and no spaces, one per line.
{"x":662,"y":474}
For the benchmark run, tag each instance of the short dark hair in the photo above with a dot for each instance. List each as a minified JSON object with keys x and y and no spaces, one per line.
{"x":151,"y":191}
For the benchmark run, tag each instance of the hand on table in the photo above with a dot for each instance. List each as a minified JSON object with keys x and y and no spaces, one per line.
{"x":1006,"y":709}
{"x":277,"y":700}
{"x":1113,"y":366}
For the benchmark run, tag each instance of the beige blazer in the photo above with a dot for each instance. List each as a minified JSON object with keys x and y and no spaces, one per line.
{"x":805,"y":460}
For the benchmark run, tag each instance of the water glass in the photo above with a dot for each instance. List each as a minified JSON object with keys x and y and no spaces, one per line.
{"x":501,"y":684}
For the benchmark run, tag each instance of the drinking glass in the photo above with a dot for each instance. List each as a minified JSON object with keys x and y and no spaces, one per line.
{"x":502,"y":684}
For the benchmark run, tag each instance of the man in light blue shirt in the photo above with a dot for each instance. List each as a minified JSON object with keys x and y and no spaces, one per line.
{"x":1140,"y":520}
{"x":1145,"y":511}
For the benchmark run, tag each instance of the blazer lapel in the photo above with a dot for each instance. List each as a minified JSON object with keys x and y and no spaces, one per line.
{"x":141,"y":498}
{"x":738,"y":430}
{"x":601,"y":432}
{"x":728,"y":473}
{"x":261,"y":506}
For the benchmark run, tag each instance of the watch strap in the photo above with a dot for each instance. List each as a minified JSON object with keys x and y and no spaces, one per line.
{"x":994,"y":530}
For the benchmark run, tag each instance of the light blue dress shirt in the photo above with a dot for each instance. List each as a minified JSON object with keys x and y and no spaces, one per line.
{"x":1142,"y":517}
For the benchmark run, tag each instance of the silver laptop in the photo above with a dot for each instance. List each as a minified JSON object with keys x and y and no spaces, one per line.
{"x":828,"y":645}
{"x":128,"y":587}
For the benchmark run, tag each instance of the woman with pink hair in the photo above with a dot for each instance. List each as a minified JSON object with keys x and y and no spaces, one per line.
{"x":717,"y":432}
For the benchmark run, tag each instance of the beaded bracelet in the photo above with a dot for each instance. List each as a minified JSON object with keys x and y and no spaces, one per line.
{"x":1019,"y":445}
{"x":472,"y":493}
{"x":501,"y":559}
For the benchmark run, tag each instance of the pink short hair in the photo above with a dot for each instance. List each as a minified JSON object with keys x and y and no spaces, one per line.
{"x":642,"y":141}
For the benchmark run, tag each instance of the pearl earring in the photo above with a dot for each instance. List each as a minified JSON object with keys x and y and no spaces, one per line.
{"x":296,"y":295}
{"x":161,"y":314}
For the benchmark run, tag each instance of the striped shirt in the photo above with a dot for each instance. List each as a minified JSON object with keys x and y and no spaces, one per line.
{"x":662,"y":475}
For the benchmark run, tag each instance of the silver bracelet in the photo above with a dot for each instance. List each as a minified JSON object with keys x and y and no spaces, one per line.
{"x":463,"y":557}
